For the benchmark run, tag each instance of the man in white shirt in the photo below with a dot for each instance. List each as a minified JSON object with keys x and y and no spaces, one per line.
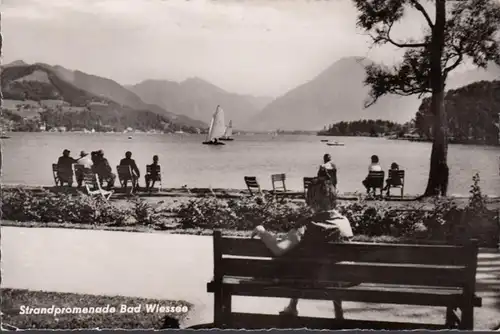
{"x":86,"y":164}
{"x":373,"y":167}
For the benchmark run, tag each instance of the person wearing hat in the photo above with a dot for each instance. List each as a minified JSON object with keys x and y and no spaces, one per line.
{"x":103,"y":169}
{"x":323,"y":225}
{"x":83,"y":165}
{"x":65,"y":168}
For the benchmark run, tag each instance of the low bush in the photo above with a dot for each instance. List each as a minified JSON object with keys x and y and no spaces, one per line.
{"x":47,"y":207}
{"x":440,"y":220}
{"x":240,"y":214}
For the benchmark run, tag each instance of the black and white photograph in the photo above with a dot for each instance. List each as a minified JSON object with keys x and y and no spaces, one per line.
{"x":250,"y":164}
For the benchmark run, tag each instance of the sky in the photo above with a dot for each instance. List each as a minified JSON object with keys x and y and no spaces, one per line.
{"x":258,"y":47}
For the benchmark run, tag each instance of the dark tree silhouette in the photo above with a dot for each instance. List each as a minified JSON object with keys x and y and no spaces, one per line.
{"x":460,"y":30}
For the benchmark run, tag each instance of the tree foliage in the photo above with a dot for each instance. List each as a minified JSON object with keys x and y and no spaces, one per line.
{"x":472,"y":112}
{"x":363,"y":128}
{"x":471,"y":31}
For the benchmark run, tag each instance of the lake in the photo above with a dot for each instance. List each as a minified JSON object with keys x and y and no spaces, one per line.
{"x":185,"y":161}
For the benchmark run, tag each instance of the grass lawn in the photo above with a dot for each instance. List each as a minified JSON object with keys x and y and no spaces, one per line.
{"x":13,"y":301}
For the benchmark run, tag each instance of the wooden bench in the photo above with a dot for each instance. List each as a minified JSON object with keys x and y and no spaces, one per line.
{"x":429,"y":275}
{"x":276,"y":179}
{"x":252,"y":183}
{"x":153,"y":177}
{"x":124,"y":176}
{"x":93,"y":185}
{"x":375,"y":180}
{"x":307,"y":181}
{"x":62,"y":175}
{"x":398,"y":175}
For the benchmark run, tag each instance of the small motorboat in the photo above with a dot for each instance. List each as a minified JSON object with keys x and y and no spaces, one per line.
{"x":335,"y":143}
{"x":129,"y":137}
{"x":324,"y":140}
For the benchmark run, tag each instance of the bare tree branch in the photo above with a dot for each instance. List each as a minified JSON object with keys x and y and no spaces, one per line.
{"x":418,"y":6}
{"x":387,"y":38}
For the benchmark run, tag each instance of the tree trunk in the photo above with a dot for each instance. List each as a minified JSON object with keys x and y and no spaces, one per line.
{"x":438,"y":174}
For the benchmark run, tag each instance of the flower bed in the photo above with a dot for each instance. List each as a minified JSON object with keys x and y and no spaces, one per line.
{"x":441,"y":220}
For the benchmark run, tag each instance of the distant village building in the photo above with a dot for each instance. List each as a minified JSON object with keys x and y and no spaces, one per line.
{"x":98,"y":106}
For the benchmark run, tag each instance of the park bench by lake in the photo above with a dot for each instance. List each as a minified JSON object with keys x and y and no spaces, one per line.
{"x":427,"y":275}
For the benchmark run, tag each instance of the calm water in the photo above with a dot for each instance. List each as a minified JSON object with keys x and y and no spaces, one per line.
{"x":185,"y":161}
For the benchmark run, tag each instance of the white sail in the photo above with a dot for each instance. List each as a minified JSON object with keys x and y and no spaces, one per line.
{"x":217,"y":127}
{"x":229,"y":130}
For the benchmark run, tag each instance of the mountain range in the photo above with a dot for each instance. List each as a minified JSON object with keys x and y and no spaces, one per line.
{"x":44,"y":81}
{"x":336,"y":94}
{"x":198,"y":98}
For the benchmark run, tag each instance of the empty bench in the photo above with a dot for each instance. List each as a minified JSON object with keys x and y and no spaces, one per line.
{"x":429,"y":275}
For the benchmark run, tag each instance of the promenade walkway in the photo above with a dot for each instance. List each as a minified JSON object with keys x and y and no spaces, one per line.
{"x":170,"y":266}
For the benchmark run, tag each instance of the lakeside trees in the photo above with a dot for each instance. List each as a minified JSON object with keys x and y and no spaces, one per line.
{"x":460,"y":30}
{"x":472,"y":112}
{"x":364,"y":127}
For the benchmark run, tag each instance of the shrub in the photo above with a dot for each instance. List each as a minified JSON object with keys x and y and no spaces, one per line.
{"x":240,"y":214}
{"x":47,"y":207}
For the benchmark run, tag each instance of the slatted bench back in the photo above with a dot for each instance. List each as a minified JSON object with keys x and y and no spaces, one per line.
{"x":124,"y":172}
{"x":397,"y":175}
{"x":252,"y":183}
{"x":418,"y":265}
{"x":156,"y":173}
{"x":376,"y":179}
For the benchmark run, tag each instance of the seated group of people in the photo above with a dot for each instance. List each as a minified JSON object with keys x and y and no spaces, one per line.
{"x":324,"y":224}
{"x":393,"y":179}
{"x":329,"y":170}
{"x":99,"y":165}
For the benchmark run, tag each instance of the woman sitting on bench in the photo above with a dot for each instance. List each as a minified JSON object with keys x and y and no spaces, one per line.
{"x":393,"y":180}
{"x":324,"y":225}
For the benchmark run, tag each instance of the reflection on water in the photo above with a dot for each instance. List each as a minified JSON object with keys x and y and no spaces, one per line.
{"x":185,"y":161}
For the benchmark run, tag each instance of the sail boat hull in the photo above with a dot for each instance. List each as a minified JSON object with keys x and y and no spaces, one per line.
{"x":212,"y":143}
{"x":226,"y":139}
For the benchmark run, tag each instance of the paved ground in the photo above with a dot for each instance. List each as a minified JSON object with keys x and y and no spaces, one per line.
{"x":168,"y":266}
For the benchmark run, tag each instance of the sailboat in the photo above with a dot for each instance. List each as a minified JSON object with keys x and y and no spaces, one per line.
{"x":217,"y":128}
{"x":228,"y":133}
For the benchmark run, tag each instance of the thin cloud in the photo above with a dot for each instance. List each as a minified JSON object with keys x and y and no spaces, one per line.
{"x":259,"y":47}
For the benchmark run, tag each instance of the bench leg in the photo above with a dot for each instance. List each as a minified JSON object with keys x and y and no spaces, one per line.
{"x":467,"y":321}
{"x":226,"y":309}
{"x":451,"y":318}
{"x":337,"y":306}
{"x":218,"y":309}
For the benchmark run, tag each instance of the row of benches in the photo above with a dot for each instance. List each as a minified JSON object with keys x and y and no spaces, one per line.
{"x":404,"y":274}
{"x":124,"y":175}
{"x":375,"y":179}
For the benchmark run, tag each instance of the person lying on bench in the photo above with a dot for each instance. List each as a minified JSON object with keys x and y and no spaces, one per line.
{"x":324,"y":225}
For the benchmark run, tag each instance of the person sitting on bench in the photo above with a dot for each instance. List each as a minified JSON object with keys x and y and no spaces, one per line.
{"x":152,"y":177}
{"x":323,"y":225}
{"x":128,"y":161}
{"x":102,"y":168}
{"x":393,"y":180}
{"x":373,"y":167}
